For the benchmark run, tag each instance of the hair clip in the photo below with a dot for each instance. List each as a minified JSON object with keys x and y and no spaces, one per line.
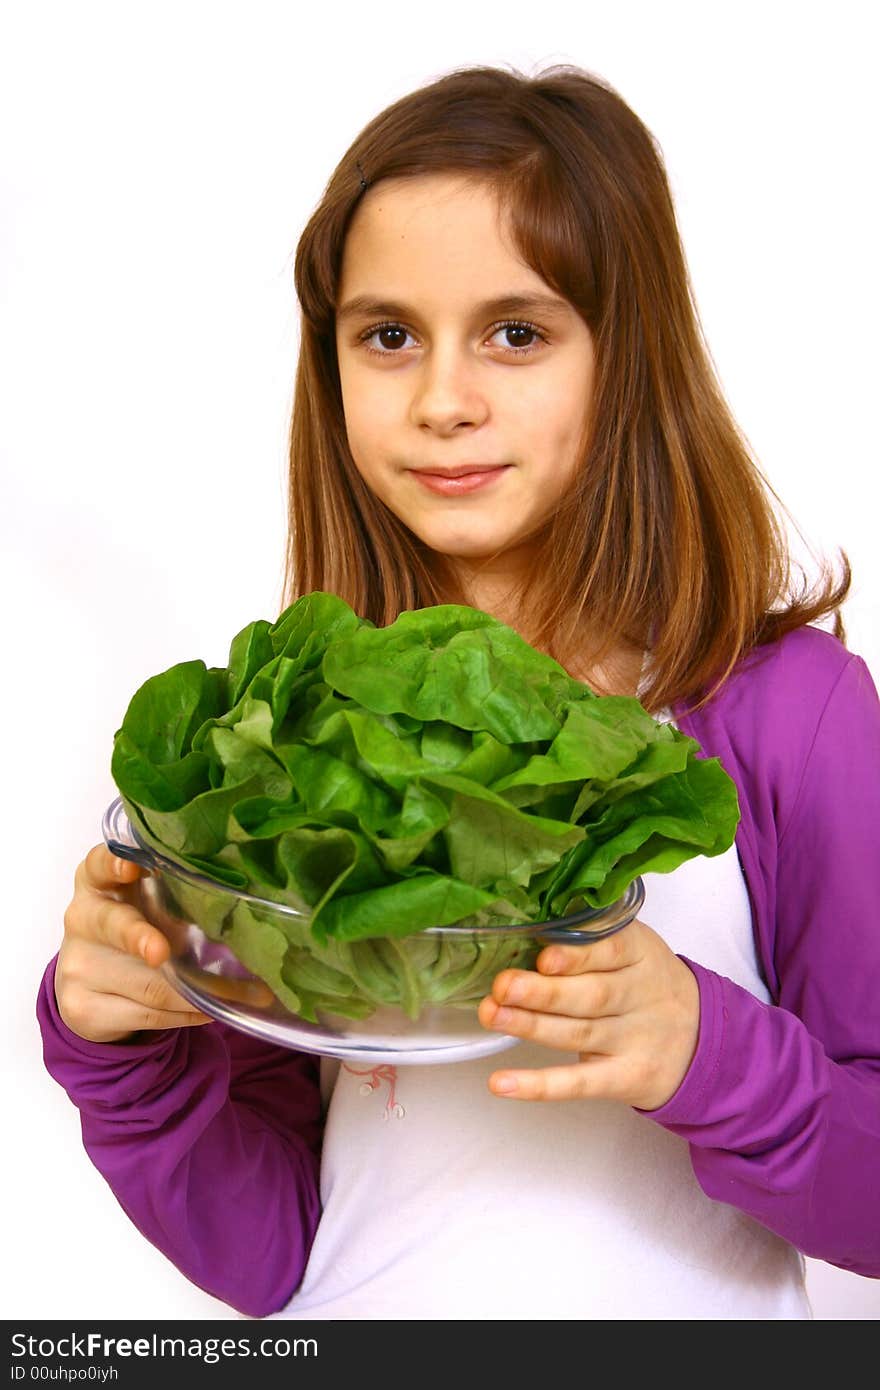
{"x":361,"y":172}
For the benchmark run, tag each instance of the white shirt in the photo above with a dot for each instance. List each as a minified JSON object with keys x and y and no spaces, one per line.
{"x":469,"y":1206}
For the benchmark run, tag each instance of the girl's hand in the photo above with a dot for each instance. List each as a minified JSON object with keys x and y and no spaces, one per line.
{"x":107,"y":981}
{"x":627,"y":1005}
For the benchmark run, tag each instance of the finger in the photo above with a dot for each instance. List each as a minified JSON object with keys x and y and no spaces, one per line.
{"x":150,"y":988}
{"x":112,"y":1018}
{"x":612,"y":952}
{"x":566,"y":1034}
{"x":180,"y":1017}
{"x":102,"y":870}
{"x":602,"y":994}
{"x":107,"y":1008}
{"x":101,"y":918}
{"x":590,"y":1079}
{"x":93,"y":968}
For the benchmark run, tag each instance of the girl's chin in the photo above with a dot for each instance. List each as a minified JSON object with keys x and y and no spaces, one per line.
{"x":469,"y":548}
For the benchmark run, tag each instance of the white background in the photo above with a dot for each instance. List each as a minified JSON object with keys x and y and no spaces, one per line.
{"x":159,"y":162}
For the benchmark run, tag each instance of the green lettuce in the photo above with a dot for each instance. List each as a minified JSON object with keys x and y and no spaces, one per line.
{"x":381,"y":781}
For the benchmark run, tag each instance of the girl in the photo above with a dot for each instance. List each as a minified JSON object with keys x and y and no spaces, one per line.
{"x":503,"y":399}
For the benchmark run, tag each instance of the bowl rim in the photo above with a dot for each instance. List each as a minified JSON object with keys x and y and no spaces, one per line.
{"x":123,"y":840}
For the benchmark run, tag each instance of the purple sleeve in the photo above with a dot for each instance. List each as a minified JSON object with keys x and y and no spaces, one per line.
{"x":781,"y":1104}
{"x":210,"y":1142}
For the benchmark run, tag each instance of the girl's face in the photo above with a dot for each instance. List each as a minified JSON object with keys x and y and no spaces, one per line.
{"x":466,"y":380}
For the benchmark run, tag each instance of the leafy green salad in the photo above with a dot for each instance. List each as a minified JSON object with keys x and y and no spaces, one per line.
{"x":381,"y":781}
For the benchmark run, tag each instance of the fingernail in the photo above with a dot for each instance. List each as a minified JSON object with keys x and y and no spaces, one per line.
{"x":503,"y":1018}
{"x":515,"y":991}
{"x":504,"y":1085}
{"x":143,"y":944}
{"x":119,"y":867}
{"x":552,"y":962}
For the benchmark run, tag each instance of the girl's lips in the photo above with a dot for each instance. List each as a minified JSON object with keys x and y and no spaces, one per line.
{"x":465,"y":482}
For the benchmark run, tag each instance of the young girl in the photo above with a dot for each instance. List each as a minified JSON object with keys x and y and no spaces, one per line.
{"x":503,"y":399}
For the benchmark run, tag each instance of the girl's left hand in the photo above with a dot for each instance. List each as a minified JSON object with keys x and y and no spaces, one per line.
{"x":627,"y":1005}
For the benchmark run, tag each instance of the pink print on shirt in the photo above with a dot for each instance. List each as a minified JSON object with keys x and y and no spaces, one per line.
{"x":374,"y":1076}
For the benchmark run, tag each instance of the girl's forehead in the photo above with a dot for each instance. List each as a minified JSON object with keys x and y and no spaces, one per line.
{"x":413,"y":226}
{"x":428,"y":192}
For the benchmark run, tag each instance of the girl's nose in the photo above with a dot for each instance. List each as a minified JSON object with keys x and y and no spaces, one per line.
{"x":447,"y":392}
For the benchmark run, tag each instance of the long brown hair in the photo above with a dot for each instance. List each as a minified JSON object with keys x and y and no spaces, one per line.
{"x":668,"y":536}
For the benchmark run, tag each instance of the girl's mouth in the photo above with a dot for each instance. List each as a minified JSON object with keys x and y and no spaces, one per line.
{"x":460,"y":482}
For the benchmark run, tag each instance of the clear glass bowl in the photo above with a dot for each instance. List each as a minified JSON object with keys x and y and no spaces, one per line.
{"x":417,"y":995}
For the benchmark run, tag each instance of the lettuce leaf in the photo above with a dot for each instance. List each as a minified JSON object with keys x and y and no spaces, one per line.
{"x":382,"y":781}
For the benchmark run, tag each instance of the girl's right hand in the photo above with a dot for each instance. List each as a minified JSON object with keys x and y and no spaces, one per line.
{"x":108,"y":984}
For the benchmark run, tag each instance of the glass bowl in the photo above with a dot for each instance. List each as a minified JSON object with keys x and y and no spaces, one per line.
{"x":407,"y":1000}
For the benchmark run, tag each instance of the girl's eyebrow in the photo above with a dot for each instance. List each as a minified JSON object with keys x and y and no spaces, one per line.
{"x":364,"y":305}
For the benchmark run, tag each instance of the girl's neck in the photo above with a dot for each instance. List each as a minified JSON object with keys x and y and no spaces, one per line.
{"x":493,"y":590}
{"x":498,"y":589}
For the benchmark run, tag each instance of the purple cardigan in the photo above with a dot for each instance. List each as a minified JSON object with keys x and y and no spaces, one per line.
{"x":211,"y":1139}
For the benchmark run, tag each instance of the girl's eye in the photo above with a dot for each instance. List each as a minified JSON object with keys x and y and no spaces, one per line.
{"x":516,"y":332}
{"x":392,"y":337}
